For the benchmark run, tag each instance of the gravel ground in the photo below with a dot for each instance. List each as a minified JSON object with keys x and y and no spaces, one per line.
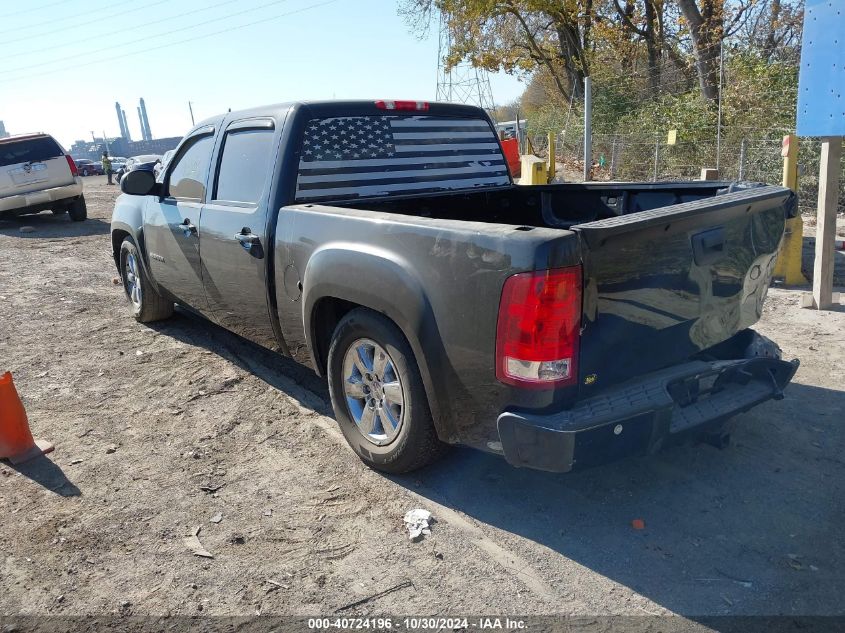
{"x":163,"y":429}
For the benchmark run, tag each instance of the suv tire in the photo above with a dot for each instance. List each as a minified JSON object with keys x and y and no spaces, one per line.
{"x":147,"y":305}
{"x":77,"y":210}
{"x":415,"y":443}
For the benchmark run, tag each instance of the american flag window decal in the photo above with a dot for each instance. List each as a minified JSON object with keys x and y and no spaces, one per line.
{"x":369,"y":156}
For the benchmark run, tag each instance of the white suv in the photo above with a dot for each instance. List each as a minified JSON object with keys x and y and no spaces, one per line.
{"x":36,"y":174}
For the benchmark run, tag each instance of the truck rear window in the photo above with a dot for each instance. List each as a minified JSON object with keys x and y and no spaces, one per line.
{"x":372,"y":156}
{"x":29,"y":150}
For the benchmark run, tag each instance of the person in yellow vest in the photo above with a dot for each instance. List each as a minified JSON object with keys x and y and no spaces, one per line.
{"x":107,"y":166}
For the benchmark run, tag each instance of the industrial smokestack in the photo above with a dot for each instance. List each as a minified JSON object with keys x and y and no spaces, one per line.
{"x":126,"y":125}
{"x":149,"y":136}
{"x":120,"y":122}
{"x":141,"y":120}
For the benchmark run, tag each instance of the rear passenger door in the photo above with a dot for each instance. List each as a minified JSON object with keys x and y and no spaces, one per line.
{"x":172,"y":223}
{"x":234,"y":238}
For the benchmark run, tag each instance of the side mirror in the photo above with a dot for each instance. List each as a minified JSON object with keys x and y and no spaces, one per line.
{"x":140,"y":183}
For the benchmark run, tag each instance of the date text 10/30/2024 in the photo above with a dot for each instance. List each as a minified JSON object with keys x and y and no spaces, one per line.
{"x":417,"y":624}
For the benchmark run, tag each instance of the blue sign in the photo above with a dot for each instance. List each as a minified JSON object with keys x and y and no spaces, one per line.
{"x":821,"y":82}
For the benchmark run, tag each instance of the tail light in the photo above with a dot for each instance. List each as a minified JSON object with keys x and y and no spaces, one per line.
{"x":538,"y":331}
{"x":421,"y":106}
{"x":73,"y":170}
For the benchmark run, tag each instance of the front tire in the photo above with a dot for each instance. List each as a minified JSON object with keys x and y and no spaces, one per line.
{"x":147,"y":305}
{"x":378,"y":395}
{"x":78,"y":210}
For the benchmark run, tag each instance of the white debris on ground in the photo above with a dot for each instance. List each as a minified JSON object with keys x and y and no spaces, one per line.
{"x":417,"y":523}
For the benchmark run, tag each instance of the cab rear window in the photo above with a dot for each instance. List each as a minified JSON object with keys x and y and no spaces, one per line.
{"x":31,"y":150}
{"x":373,"y":156}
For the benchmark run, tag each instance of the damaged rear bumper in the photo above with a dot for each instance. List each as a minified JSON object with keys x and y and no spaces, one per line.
{"x":641,"y":416}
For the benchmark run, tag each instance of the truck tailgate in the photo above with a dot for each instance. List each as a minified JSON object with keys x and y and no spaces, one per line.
{"x":664,"y":284}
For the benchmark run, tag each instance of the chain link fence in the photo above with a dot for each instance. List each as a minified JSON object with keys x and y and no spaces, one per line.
{"x":648,"y":157}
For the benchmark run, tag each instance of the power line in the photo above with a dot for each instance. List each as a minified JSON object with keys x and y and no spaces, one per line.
{"x":67,"y":27}
{"x":169,"y":44}
{"x":26,"y":27}
{"x":134,"y":27}
{"x":33,"y":9}
{"x":147,"y":37}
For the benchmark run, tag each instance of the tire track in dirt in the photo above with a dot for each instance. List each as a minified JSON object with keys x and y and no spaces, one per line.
{"x":503,"y":556}
{"x":303,"y":398}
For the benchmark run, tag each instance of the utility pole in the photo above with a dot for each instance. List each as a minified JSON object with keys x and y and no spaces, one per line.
{"x":192,"y":113}
{"x":719,"y":120}
{"x":656,"y":157}
{"x":614,"y":159}
{"x":588,"y":128}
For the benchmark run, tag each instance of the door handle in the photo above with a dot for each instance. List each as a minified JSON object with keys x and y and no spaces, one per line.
{"x":250,"y":241}
{"x":188,"y":228}
{"x":708,"y":247}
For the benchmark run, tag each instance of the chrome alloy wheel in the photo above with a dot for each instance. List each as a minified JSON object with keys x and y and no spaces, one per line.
{"x":133,"y":280}
{"x":374,"y":392}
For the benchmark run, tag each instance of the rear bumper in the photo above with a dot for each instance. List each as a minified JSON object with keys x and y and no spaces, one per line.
{"x":41,"y":199}
{"x":641,"y":416}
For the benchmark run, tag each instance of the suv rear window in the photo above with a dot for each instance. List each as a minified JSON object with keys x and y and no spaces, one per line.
{"x":30,"y":150}
{"x":374,"y":156}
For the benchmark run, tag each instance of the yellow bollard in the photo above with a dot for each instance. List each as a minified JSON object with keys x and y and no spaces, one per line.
{"x":788,"y":266}
{"x":551,"y":169}
{"x":533,"y":171}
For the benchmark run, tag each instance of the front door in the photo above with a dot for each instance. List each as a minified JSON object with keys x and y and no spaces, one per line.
{"x":235,"y":227}
{"x":172,"y":223}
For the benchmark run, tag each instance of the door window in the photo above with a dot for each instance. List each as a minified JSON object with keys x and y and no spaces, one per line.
{"x":187,"y":177}
{"x":244,"y":165}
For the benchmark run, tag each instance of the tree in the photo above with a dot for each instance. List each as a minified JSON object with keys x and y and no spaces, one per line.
{"x":774,"y":30}
{"x":563,"y":41}
{"x":710,"y":22}
{"x":518,"y":36}
{"x":706,"y":31}
{"x":646,"y":22}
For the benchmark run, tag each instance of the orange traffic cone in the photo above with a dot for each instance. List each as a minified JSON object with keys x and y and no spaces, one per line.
{"x":16,"y":441}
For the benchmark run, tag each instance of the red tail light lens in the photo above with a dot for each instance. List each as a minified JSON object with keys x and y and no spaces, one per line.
{"x":73,"y":170}
{"x":538,"y":331}
{"x":421,"y":106}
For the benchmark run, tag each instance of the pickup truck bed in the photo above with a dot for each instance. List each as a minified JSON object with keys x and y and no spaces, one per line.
{"x":559,"y":326}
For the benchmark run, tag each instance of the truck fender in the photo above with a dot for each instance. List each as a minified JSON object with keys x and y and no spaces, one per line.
{"x":128,"y":219}
{"x":382,"y":281}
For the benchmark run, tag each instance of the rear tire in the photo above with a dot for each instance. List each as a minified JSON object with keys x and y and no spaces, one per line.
{"x":78,"y":210}
{"x":411,"y":444}
{"x":147,"y":305}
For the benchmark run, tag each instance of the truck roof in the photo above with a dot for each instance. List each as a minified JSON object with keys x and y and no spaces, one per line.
{"x":339,"y":107}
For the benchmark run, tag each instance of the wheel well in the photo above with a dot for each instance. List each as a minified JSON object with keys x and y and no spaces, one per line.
{"x":117,"y":238}
{"x":327,"y":314}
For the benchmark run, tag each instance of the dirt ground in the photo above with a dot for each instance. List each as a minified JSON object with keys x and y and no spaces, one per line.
{"x":158,"y":429}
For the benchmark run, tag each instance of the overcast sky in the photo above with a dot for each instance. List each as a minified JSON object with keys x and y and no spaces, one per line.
{"x":65,"y":62}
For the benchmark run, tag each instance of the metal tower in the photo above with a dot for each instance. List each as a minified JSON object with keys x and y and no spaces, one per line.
{"x":464,"y":83}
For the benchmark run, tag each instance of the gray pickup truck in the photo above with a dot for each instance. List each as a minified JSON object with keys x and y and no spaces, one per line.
{"x":385,"y":243}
